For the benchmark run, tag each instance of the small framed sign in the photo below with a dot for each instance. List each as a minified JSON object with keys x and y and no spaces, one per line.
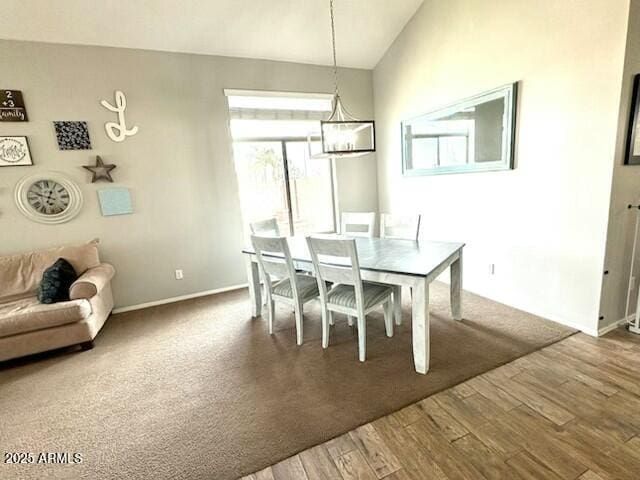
{"x":632,"y":153}
{"x":12,"y":107}
{"x":14,"y":152}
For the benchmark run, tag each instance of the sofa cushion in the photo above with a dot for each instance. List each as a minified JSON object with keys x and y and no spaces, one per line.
{"x":56,"y":282}
{"x":27,"y":314}
{"x":21,"y":274}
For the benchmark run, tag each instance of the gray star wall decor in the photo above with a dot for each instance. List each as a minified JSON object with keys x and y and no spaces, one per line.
{"x":100,"y":170}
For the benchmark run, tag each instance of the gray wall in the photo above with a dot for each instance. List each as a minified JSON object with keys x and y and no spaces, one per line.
{"x":625,"y":190}
{"x":543,"y":224}
{"x":179,"y":166}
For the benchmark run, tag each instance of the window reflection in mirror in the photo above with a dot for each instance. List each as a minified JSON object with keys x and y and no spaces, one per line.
{"x":475,"y":134}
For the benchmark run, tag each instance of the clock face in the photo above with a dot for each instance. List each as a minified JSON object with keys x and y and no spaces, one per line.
{"x":48,"y":197}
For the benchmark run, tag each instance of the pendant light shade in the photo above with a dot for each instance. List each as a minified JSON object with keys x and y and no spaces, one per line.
{"x":342,"y":134}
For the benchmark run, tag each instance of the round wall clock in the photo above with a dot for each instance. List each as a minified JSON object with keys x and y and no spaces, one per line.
{"x":48,"y":197}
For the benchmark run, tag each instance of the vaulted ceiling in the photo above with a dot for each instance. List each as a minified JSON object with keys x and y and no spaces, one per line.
{"x":288,"y":30}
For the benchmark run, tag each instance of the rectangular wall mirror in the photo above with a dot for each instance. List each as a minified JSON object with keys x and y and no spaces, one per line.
{"x":475,"y":134}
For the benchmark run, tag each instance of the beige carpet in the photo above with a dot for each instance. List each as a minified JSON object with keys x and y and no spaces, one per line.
{"x":198,"y":390}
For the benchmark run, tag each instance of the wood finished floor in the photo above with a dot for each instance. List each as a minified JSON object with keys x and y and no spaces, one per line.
{"x":568,"y":411}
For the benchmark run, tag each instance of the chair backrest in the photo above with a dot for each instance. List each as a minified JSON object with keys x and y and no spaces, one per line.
{"x":265,"y":228}
{"x":336,"y":261}
{"x":274,"y":258}
{"x":357,"y":224}
{"x":405,"y":227}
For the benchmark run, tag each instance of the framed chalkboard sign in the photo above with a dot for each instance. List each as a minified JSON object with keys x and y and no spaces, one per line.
{"x":632,"y":154}
{"x":12,"y":107}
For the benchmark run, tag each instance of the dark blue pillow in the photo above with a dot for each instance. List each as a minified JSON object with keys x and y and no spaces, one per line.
{"x":56,"y":281}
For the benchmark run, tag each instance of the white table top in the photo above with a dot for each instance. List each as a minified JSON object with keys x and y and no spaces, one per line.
{"x":406,"y":257}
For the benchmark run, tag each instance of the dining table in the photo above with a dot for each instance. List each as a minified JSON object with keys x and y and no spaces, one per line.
{"x":405,"y":263}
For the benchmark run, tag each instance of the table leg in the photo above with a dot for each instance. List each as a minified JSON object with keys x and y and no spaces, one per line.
{"x":397,"y":303}
{"x":253,"y":277}
{"x":420,"y":325}
{"x":456,"y":288}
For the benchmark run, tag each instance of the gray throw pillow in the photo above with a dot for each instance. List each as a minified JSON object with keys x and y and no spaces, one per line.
{"x":56,"y":281}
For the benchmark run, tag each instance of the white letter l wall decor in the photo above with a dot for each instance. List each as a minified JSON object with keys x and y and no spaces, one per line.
{"x":118,"y":131}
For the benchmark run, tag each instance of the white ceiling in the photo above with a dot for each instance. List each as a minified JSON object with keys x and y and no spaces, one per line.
{"x":289,"y":30}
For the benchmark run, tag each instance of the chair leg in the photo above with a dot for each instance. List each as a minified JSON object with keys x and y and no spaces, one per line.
{"x":325,"y":327}
{"x":362,"y":337}
{"x":388,"y":317}
{"x":350,"y":320}
{"x":397,"y":303}
{"x":298,"y":313}
{"x":271,"y":312}
{"x":331,"y":319}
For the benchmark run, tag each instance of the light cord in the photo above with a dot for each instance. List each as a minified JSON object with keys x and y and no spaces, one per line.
{"x":333,"y":44}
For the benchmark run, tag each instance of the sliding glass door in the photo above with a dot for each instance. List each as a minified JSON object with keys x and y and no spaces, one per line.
{"x":278,"y":179}
{"x":311,"y":190}
{"x":261,"y":180}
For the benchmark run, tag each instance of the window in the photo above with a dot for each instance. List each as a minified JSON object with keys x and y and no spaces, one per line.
{"x":276,"y":176}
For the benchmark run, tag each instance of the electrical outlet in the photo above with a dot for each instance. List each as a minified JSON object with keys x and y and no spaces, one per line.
{"x":179,"y":275}
{"x":492,"y":269}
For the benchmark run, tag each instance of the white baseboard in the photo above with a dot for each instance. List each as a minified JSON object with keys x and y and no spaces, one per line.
{"x":534,"y":311}
{"x":593,"y":332}
{"x":614,"y":325}
{"x":589,"y":331}
{"x":164,"y":301}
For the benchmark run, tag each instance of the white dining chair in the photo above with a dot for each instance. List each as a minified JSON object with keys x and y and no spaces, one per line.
{"x":402,"y":227}
{"x":357,"y":224}
{"x":265,"y":228}
{"x":281,"y":281}
{"x":405,"y":227}
{"x":336,"y":261}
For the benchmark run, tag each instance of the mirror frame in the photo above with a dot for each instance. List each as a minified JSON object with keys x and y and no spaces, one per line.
{"x":507,"y":162}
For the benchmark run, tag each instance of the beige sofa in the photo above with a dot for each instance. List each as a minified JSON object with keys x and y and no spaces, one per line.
{"x":27,"y":326}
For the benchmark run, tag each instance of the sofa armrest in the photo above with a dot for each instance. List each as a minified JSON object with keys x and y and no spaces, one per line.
{"x":91,"y":281}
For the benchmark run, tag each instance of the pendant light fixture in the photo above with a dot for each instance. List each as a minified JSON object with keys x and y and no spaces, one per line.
{"x":342,"y":134}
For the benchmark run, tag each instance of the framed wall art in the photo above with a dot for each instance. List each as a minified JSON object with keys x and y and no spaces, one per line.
{"x":12,"y":107}
{"x":72,"y":135}
{"x":115,"y":201}
{"x":632,"y":152}
{"x":14,"y":152}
